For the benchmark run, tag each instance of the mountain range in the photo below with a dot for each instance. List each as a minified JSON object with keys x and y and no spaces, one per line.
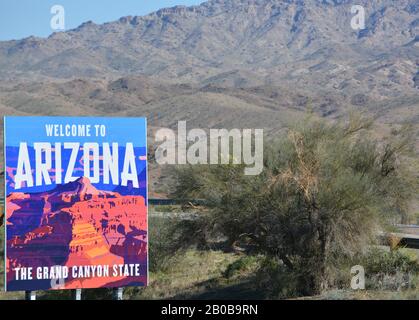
{"x":224,"y":63}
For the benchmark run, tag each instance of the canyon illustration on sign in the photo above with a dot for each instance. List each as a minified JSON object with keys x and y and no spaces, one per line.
{"x":76,"y":202}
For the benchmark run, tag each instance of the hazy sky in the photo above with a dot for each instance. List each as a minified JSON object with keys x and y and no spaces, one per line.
{"x":22,"y":18}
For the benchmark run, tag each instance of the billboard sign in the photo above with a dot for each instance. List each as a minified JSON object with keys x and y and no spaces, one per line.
{"x":75,"y":202}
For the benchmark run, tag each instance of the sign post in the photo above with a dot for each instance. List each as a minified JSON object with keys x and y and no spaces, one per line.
{"x":118,"y":294}
{"x":75,"y":203}
{"x":30,"y":295}
{"x":77,"y":294}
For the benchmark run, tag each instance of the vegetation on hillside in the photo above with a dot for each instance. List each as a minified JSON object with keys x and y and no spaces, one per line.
{"x":293,"y":231}
{"x":324,"y":194}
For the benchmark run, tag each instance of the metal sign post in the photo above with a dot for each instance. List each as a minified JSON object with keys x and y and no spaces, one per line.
{"x":30,"y":295}
{"x":118,"y":294}
{"x":77,"y":294}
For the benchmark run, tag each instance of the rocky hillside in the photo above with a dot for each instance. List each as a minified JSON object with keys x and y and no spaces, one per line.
{"x":288,"y":51}
{"x":225,"y":63}
{"x":223,"y":39}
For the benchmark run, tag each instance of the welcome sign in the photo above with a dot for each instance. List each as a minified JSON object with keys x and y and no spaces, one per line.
{"x":76,"y":202}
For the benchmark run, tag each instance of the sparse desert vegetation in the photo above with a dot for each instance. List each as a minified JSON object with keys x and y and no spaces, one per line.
{"x":293,"y":232}
{"x":329,"y":186}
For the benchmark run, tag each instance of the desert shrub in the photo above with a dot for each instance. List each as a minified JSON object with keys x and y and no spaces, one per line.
{"x":325,"y":190}
{"x":380,"y":260}
{"x":163,"y":242}
{"x":242,"y":266}
{"x":384,"y":270}
{"x":390,"y":270}
{"x":276,"y":280}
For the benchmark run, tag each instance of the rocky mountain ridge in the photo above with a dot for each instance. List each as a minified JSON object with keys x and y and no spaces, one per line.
{"x":224,"y":63}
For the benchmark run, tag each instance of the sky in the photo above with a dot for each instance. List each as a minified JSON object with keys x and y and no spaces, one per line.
{"x":23,"y":18}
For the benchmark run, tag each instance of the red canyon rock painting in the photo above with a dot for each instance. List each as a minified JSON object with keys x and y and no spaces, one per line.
{"x":76,"y":225}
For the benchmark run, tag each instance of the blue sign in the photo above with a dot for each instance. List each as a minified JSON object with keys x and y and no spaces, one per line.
{"x":76,"y":202}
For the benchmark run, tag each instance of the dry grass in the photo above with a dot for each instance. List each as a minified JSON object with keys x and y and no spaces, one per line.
{"x":200,"y":275}
{"x":366,"y":295}
{"x":191,"y":274}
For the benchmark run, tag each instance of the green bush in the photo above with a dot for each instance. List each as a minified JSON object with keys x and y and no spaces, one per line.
{"x":242,"y":266}
{"x":162,"y":242}
{"x":276,"y":280}
{"x":325,"y":190}
{"x":390,"y":270}
{"x":382,"y":261}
